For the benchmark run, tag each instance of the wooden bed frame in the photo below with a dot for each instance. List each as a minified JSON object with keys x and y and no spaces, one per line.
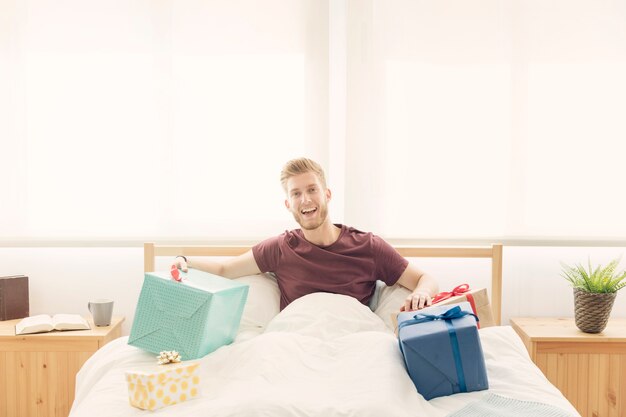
{"x":151,"y":251}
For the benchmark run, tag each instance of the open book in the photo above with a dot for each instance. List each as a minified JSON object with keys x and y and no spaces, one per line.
{"x":46,"y":323}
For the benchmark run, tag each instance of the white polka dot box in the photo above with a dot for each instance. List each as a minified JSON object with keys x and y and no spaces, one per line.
{"x":163,"y":385}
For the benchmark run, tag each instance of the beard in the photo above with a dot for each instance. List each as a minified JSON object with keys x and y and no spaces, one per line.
{"x":315,"y":222}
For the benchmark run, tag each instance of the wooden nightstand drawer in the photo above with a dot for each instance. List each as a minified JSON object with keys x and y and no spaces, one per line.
{"x":589,"y":369}
{"x":38,"y":371}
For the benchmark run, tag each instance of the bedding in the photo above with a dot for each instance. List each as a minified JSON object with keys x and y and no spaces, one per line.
{"x":323,"y":355}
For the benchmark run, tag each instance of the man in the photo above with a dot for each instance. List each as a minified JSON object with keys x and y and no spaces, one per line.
{"x":322,"y":256}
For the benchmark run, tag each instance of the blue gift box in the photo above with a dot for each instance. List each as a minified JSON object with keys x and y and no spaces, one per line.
{"x":442,"y":350}
{"x":193,"y":317}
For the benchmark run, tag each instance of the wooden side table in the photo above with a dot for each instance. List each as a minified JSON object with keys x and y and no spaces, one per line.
{"x":589,"y":369}
{"x":38,"y":371}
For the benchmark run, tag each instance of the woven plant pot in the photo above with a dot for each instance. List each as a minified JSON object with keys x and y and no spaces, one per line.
{"x":592,"y":310}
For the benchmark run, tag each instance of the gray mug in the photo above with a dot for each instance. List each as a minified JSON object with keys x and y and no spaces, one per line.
{"x":102,"y":311}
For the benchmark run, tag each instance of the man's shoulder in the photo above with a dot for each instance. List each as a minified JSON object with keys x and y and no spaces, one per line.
{"x":359,"y":236}
{"x":283,"y":238}
{"x":354,"y":232}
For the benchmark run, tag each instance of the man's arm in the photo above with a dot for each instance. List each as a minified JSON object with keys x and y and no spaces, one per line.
{"x":235,"y":267}
{"x":424,"y":287}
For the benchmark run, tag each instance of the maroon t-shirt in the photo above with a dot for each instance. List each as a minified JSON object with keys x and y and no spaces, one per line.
{"x":349,"y":266}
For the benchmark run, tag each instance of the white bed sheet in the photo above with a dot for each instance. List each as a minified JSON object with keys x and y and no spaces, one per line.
{"x":324,"y":355}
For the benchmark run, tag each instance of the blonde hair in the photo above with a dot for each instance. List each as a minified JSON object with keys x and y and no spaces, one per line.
{"x":301,"y":166}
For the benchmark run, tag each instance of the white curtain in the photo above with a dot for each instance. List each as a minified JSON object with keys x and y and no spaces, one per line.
{"x":487,"y":118}
{"x":453,"y":119}
{"x":156,"y":119}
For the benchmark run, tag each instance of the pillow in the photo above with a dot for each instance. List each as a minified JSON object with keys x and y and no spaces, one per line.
{"x":263,"y":302}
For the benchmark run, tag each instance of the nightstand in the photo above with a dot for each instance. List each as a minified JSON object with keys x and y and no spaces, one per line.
{"x":589,"y":369}
{"x":39,"y":370}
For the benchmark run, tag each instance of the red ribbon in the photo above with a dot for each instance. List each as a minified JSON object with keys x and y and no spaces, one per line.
{"x":458,"y":290}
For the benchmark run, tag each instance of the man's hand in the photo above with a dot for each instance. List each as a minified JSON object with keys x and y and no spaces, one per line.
{"x":417,"y":300}
{"x":424,"y":287}
{"x":180,"y":263}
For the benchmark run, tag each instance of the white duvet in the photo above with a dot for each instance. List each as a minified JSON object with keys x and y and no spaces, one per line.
{"x":324,"y":355}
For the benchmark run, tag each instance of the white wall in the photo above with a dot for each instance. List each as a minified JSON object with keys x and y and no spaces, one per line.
{"x":62,"y":280}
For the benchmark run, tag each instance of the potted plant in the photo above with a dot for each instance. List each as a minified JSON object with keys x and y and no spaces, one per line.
{"x":594,"y":293}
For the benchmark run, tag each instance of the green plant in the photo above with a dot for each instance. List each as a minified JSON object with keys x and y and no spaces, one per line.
{"x":598,"y":280}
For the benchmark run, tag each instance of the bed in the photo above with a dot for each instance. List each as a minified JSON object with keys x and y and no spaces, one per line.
{"x":323,"y":355}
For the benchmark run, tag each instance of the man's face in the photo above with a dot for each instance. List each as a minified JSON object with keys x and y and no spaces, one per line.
{"x":307,"y":200}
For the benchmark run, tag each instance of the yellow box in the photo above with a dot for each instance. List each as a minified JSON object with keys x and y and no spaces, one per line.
{"x":161,"y":385}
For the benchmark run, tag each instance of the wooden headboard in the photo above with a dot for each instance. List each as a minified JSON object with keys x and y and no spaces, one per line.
{"x":151,"y":251}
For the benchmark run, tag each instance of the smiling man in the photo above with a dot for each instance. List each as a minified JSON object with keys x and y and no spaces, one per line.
{"x":322,"y":256}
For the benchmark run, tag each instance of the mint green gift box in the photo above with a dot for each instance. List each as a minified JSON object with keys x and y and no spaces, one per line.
{"x":193,"y":317}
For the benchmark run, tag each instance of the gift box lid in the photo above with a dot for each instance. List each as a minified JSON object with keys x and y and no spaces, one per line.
{"x":201,"y":280}
{"x":161,"y":373}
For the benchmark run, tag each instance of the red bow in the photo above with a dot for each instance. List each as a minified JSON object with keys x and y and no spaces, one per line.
{"x":458,"y":290}
{"x":175,"y":274}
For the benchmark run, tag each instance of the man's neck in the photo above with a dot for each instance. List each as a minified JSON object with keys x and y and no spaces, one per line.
{"x":325,"y":235}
